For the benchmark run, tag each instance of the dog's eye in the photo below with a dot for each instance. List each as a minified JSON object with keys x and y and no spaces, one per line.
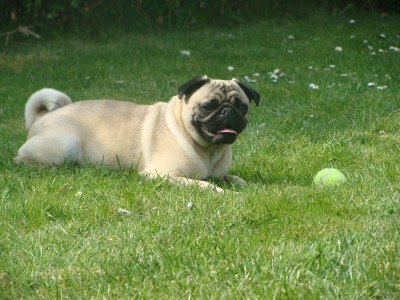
{"x":243,"y":107}
{"x":210,"y":106}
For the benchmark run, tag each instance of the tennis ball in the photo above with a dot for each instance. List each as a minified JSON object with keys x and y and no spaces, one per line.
{"x":329,"y":176}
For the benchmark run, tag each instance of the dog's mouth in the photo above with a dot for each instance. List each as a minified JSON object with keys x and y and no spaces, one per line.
{"x":228,"y":131}
{"x":221,"y":136}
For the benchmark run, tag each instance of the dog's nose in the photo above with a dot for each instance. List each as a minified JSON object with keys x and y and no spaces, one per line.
{"x":227,"y":111}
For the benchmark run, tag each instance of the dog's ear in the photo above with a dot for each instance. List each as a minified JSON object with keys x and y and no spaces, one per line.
{"x":188,"y":88}
{"x":251,"y":93}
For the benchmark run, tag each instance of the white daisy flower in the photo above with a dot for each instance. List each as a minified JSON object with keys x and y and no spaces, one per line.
{"x":124,"y":211}
{"x":185,"y":52}
{"x":273,"y":76}
{"x":248,"y":79}
{"x":393,"y":48}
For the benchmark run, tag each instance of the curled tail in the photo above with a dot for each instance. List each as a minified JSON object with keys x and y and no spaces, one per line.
{"x":43,"y":101}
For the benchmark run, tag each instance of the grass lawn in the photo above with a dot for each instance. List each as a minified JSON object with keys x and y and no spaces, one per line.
{"x":330,"y":98}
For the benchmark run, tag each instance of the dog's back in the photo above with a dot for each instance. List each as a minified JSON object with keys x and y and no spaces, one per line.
{"x":43,"y":101}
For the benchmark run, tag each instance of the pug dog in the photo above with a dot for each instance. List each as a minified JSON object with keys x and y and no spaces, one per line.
{"x":187,"y":139}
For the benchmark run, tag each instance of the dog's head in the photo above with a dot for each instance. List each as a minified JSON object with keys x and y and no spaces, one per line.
{"x":218,"y":109}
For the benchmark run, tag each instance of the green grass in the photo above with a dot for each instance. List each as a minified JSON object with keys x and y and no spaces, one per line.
{"x":279,"y":236}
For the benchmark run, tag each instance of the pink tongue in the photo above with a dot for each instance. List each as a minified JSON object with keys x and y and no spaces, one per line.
{"x":227,"y":130}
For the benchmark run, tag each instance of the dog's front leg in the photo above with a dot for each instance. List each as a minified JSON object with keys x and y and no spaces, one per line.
{"x":200,"y":183}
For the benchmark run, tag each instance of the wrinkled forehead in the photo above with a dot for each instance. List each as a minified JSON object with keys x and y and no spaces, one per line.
{"x":223,"y":90}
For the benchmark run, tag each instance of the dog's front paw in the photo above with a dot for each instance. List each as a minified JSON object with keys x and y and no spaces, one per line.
{"x":17,"y":160}
{"x":234,"y":180}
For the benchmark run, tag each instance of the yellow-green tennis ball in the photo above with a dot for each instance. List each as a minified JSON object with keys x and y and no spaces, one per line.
{"x":329,"y":176}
